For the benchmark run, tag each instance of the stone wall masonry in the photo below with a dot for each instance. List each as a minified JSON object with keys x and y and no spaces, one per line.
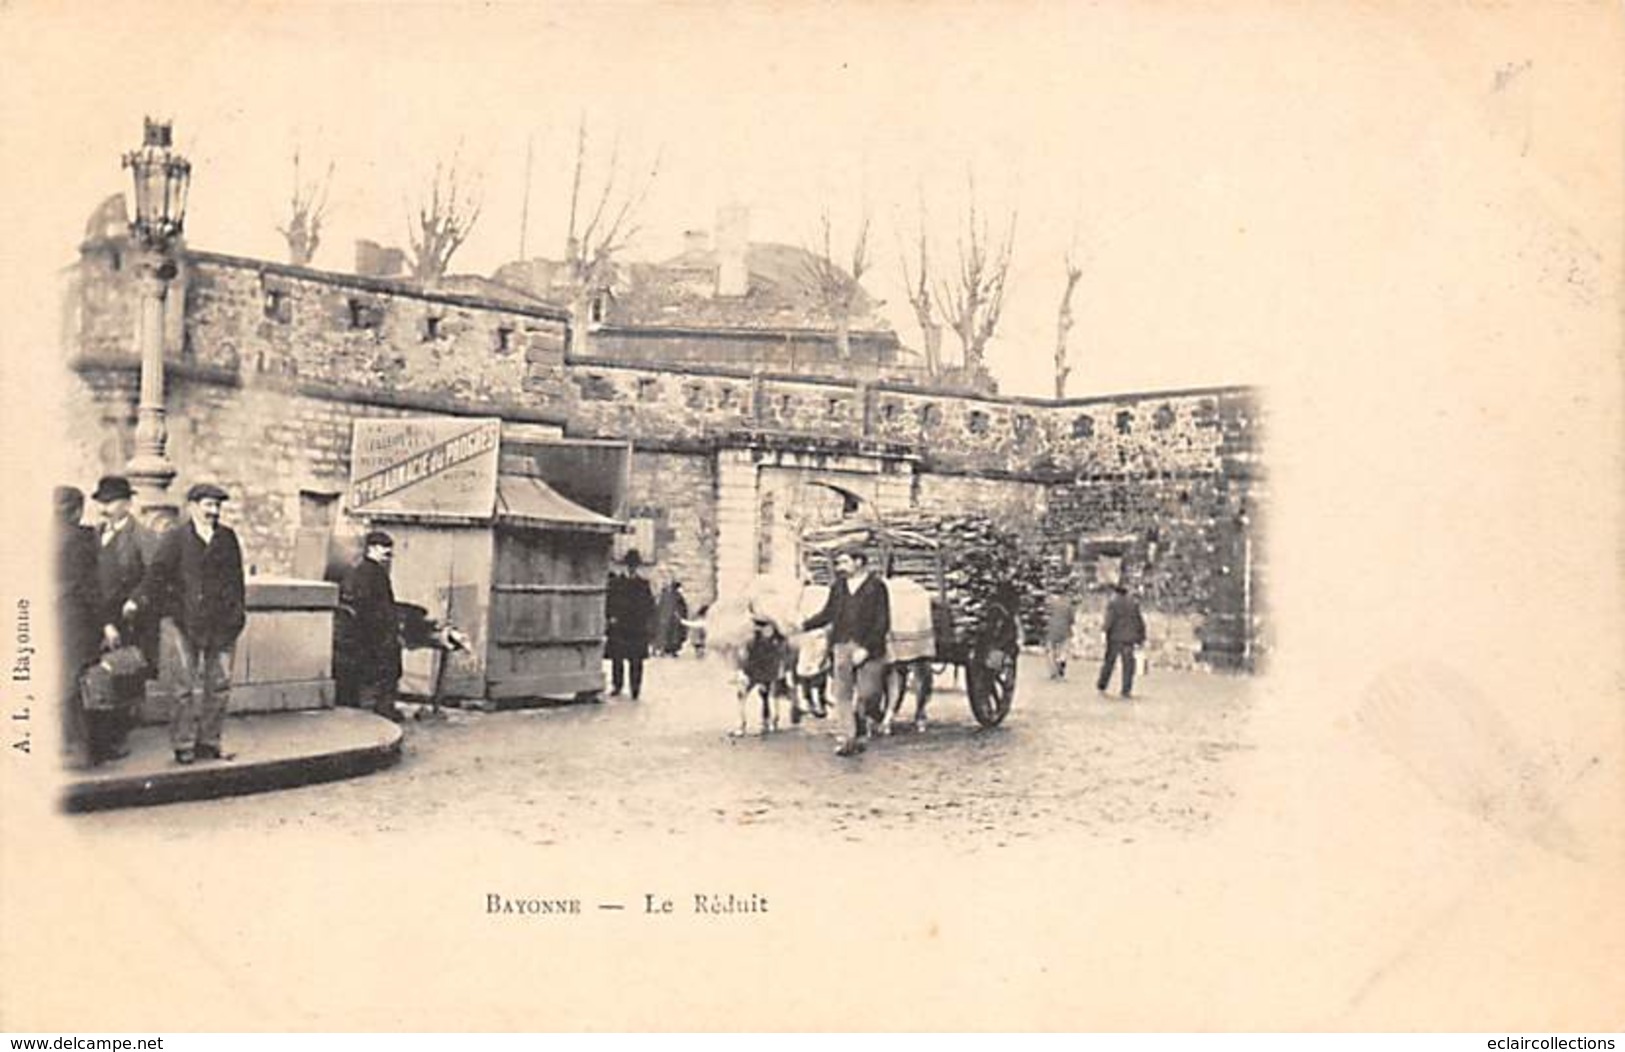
{"x":874,"y":355}
{"x":1185,"y":542}
{"x":102,"y":306}
{"x":655,"y":406}
{"x":1149,"y":434}
{"x":833,"y":410}
{"x":1128,"y":435}
{"x":1163,"y":532}
{"x":269,"y":365}
{"x":265,"y":446}
{"x":253,"y":319}
{"x":737,"y":508}
{"x":677,"y":492}
{"x":98,"y":424}
{"x":260,"y":321}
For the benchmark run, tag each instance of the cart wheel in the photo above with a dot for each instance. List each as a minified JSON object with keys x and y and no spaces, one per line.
{"x":990,"y":674}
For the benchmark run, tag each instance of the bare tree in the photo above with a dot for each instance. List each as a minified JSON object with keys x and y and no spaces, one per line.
{"x":443,"y":222}
{"x":306,"y":209}
{"x":600,"y":230}
{"x":837,"y":288}
{"x":972,"y":301}
{"x":919,"y":297}
{"x":1063,"y":323}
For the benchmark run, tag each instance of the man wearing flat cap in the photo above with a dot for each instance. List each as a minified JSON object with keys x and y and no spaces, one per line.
{"x":370,"y":636}
{"x":123,"y":548}
{"x":858,"y":613}
{"x":196,"y":580}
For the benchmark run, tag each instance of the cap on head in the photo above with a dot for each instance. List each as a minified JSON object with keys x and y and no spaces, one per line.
{"x":633,"y":559}
{"x":111,"y":488}
{"x":205,"y":491}
{"x":378,"y":539}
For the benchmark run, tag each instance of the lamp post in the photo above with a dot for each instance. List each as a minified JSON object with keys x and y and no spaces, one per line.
{"x":161,"y":179}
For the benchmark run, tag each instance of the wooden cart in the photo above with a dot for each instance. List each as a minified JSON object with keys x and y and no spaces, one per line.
{"x":974,"y":624}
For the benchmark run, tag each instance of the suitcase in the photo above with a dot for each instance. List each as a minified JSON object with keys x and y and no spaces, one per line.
{"x":98,"y":684}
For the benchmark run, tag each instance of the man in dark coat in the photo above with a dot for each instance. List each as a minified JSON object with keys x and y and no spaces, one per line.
{"x":196,"y":579}
{"x":1125,"y":630}
{"x":78,"y":604}
{"x":629,"y":608}
{"x":373,"y":638}
{"x":123,"y":550}
{"x":858,"y":614}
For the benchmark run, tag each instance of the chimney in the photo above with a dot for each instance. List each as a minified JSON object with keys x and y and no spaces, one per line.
{"x":373,"y":260}
{"x":695,"y":242}
{"x":733,"y":238}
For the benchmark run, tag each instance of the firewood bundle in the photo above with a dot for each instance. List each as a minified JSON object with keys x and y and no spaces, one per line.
{"x":980,"y":562}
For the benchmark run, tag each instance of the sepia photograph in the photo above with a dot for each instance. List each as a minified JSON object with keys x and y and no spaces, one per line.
{"x":795,"y":517}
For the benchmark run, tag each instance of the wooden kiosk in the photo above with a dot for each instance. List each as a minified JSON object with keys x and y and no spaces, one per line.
{"x":487,"y":539}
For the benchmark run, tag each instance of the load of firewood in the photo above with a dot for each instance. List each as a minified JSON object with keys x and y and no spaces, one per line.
{"x":980,"y":561}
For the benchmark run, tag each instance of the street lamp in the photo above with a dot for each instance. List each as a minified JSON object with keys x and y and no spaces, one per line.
{"x":161,"y":179}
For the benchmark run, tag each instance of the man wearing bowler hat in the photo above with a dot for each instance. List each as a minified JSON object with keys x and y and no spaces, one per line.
{"x":629,"y":610}
{"x":123,"y":548}
{"x":196,"y":579}
{"x":373,"y":637}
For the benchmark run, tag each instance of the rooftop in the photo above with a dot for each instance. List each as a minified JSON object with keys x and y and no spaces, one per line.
{"x":681,"y":292}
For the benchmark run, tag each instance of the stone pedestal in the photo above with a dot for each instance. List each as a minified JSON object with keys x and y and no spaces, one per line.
{"x":284,"y":658}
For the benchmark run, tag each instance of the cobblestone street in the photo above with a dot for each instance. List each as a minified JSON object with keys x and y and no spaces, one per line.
{"x":1066,"y":761}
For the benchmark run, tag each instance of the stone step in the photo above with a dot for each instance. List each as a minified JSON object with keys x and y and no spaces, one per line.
{"x":271,"y":751}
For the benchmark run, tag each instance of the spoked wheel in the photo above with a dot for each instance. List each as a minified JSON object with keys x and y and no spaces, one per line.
{"x":990,"y":674}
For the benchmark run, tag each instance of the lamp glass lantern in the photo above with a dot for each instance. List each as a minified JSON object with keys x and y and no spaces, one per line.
{"x":161,"y":178}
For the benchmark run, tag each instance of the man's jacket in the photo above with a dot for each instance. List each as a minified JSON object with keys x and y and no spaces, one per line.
{"x":370,"y":635}
{"x":1123,"y":621}
{"x":863,"y":617}
{"x":199,"y":586}
{"x":121,"y":565}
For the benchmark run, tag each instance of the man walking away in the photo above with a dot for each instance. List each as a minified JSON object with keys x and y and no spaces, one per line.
{"x":373,"y":639}
{"x":196,"y":579}
{"x":859,"y":615}
{"x":1125,"y":630}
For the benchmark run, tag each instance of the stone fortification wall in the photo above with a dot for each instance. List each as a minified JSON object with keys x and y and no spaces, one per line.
{"x":269,"y":365}
{"x":251,"y":321}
